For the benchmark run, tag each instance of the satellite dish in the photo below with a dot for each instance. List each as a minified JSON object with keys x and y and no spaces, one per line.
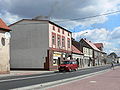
{"x":7,"y":35}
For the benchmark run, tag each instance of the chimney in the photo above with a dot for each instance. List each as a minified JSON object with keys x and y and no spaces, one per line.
{"x":41,"y":18}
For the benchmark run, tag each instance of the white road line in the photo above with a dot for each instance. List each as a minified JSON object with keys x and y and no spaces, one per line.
{"x":47,"y":85}
{"x":34,"y":77}
{"x":28,"y":77}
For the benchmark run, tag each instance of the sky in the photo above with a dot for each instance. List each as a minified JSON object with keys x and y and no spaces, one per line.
{"x":69,"y":14}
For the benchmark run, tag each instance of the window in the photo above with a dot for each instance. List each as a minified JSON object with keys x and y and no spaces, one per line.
{"x":54,"y":62}
{"x":58,"y":29}
{"x":58,"y":41}
{"x":53,"y":27}
{"x":68,"y":43}
{"x":53,"y":38}
{"x":63,"y":41}
{"x":62,"y":31}
{"x":3,"y":41}
{"x":68,"y":34}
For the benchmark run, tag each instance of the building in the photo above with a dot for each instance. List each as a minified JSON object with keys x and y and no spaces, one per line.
{"x":4,"y":48}
{"x":77,"y":54}
{"x":39,"y":44}
{"x":92,"y":55}
{"x":102,"y":55}
{"x":99,"y":46}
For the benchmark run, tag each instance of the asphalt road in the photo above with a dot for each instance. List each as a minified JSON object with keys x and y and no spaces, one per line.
{"x":22,"y":81}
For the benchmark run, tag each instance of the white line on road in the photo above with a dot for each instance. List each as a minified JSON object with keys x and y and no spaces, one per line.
{"x":32,"y":77}
{"x":44,"y":86}
{"x":28,"y":77}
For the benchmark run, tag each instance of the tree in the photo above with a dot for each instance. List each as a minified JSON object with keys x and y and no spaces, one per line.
{"x":113,"y":54}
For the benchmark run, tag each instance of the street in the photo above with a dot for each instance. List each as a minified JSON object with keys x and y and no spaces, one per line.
{"x":23,"y":81}
{"x":106,"y":81}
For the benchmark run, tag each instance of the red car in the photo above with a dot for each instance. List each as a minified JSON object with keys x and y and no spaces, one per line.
{"x":68,"y":65}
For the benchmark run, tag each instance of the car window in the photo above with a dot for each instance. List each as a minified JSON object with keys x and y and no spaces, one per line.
{"x":65,"y":62}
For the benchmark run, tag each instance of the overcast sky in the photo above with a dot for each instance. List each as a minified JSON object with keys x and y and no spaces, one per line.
{"x":105,"y":29}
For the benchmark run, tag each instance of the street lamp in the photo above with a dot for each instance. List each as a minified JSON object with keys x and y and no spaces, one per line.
{"x":82,"y":34}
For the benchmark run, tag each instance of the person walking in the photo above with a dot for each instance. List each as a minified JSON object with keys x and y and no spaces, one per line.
{"x":112,"y":65}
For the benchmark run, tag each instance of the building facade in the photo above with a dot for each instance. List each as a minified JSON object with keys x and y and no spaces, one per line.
{"x":93,"y":56}
{"x":39,"y":44}
{"x":4,"y":48}
{"x":78,"y":56}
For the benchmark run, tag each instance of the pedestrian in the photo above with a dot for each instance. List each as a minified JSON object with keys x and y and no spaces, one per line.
{"x":112,"y":65}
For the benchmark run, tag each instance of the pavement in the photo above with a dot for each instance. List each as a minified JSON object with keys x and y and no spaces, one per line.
{"x":31,"y":72}
{"x":105,"y":81}
{"x":24,"y":72}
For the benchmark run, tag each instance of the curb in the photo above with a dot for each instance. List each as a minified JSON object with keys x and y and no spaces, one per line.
{"x":44,"y":86}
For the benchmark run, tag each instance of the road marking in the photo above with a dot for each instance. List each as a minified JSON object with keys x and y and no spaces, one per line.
{"x":38,"y":76}
{"x":28,"y":77}
{"x":34,"y":77}
{"x":92,"y":81}
{"x":44,"y":86}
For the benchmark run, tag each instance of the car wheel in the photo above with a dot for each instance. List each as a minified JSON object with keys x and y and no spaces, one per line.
{"x":75,"y":69}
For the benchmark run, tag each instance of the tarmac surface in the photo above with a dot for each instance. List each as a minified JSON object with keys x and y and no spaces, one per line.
{"x":109,"y":80}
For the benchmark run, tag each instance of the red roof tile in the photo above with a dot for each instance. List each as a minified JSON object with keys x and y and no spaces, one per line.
{"x":91,"y":44}
{"x":3,"y":25}
{"x":75,"y":50}
{"x":98,"y":45}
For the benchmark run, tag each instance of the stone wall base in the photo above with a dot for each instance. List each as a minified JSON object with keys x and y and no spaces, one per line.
{"x":4,"y":72}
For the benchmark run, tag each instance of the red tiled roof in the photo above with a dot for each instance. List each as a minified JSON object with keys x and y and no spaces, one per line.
{"x":91,"y":44}
{"x":75,"y":50}
{"x":98,"y":45}
{"x":3,"y":25}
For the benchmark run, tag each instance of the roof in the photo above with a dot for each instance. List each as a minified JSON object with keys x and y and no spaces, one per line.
{"x":91,"y":45}
{"x":76,"y":44}
{"x":98,"y":45}
{"x":3,"y":26}
{"x":75,"y":50}
{"x":39,"y":20}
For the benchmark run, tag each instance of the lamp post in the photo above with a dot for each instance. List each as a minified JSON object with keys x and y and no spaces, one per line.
{"x":82,"y":34}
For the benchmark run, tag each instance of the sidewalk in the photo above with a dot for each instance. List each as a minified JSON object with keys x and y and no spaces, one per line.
{"x":30,"y":72}
{"x":107,"y":81}
{"x":24,"y":72}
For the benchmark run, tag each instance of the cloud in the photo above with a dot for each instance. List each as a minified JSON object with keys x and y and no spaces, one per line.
{"x":61,"y":9}
{"x":9,"y":18}
{"x":95,"y":34}
{"x":115,"y":34}
{"x":110,"y":39}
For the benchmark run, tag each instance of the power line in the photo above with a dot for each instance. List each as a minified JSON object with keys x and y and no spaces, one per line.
{"x":104,"y":14}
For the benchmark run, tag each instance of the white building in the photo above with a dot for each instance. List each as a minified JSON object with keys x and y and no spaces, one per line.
{"x":4,"y":48}
{"x":39,"y":44}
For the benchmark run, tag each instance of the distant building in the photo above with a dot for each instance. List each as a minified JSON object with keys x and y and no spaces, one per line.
{"x":4,"y":48}
{"x":99,"y":46}
{"x":77,"y":54}
{"x":39,"y":44}
{"x":92,"y":55}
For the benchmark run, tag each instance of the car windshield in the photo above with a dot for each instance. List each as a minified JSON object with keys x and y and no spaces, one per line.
{"x":65,"y":62}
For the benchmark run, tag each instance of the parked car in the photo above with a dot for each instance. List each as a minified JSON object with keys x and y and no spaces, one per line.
{"x":68,"y":65}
